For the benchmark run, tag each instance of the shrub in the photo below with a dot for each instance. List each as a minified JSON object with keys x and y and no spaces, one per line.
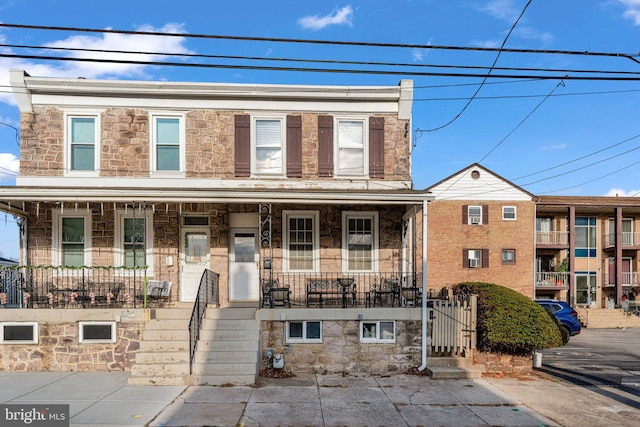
{"x":509,"y":322}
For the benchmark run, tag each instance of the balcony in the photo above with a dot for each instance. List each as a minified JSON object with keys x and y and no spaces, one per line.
{"x":630,"y":240}
{"x":552,"y":280}
{"x":552,"y":238}
{"x":629,"y":280}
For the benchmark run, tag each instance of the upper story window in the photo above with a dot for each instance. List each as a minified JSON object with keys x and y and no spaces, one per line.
{"x":360,"y":241}
{"x":351,"y":148}
{"x":71,"y":239}
{"x":475,"y":258}
{"x":167,"y":144}
{"x":83,"y":148}
{"x":475,"y":214}
{"x":268,"y":146}
{"x":300,"y":236}
{"x":586,"y":238}
{"x":509,"y":213}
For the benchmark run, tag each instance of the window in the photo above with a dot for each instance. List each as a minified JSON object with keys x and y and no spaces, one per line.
{"x":585,"y":237}
{"x":71,"y":238}
{"x":509,"y":213}
{"x":627,"y":232}
{"x":167,"y":143}
{"x":82,"y":150}
{"x":304,"y":331}
{"x":475,"y":214}
{"x":19,"y":332}
{"x":377,"y":331}
{"x":351,"y":148}
{"x":360,"y":241}
{"x":475,"y":258}
{"x":134,"y":238}
{"x":300,"y":237}
{"x":268,"y":146}
{"x":508,"y":256}
{"x":97,"y":332}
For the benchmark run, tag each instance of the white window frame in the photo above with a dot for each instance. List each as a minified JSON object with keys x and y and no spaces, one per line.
{"x":474,"y":255}
{"x":34,"y":325}
{"x":377,"y":338}
{"x":56,"y":238}
{"x":346,"y":215}
{"x":365,"y":145}
{"x":303,"y":339}
{"x":68,"y":116}
{"x":505,"y":213}
{"x":315,"y":217}
{"x":153,"y":157}
{"x":470,"y":217}
{"x":82,"y":339}
{"x":120,"y":215}
{"x":283,"y":145}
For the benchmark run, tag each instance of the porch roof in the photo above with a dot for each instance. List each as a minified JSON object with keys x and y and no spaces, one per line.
{"x":12,"y":198}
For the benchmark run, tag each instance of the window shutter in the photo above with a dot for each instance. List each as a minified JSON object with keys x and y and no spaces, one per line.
{"x":485,"y":258}
{"x":465,"y":214}
{"x":465,"y":258}
{"x":485,"y":214}
{"x":243,"y":145}
{"x":325,"y":145}
{"x":294,"y":146}
{"x":376,"y":147}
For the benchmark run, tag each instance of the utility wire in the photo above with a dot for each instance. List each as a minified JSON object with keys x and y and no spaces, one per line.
{"x":15,"y":129}
{"x":486,"y":77}
{"x":630,"y":56}
{"x":593,"y":180}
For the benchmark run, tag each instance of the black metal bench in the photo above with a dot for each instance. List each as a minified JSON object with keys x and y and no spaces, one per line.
{"x":389,"y":289}
{"x":324,"y":290}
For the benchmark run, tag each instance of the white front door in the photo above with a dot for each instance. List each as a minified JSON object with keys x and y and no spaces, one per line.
{"x":243,"y":265}
{"x":194,"y":259}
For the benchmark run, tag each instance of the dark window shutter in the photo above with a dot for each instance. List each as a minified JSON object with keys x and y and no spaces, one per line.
{"x":514,"y":256}
{"x":376,"y":147}
{"x":485,"y":214}
{"x":325,"y":145}
{"x":485,"y":258}
{"x":243,"y":145}
{"x":465,"y":258}
{"x":465,"y":214}
{"x":294,"y":146}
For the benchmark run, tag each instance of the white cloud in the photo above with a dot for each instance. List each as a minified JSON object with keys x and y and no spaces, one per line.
{"x":632,"y":10}
{"x":341,"y":16}
{"x":617,"y":192}
{"x":9,"y":166}
{"x":508,"y":11}
{"x":554,"y":147}
{"x":417,"y":55}
{"x":100,"y":41}
{"x":500,"y":9}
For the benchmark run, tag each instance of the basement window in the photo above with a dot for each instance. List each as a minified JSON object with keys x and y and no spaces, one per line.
{"x":304,"y":331}
{"x":97,"y":332}
{"x":378,"y":332}
{"x":19,"y":332}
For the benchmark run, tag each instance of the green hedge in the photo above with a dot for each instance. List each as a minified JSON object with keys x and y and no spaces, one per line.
{"x":509,"y":322}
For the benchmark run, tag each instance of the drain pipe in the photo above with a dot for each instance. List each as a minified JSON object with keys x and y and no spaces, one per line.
{"x":424,"y":286}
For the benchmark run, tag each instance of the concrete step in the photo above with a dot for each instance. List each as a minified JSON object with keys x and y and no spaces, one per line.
{"x":178,"y":324}
{"x":166,"y":380}
{"x":231,"y":313}
{"x":165,"y":335}
{"x":162,"y":357}
{"x":453,"y":373}
{"x":449,"y":362}
{"x":230,"y":335}
{"x":229,"y":324}
{"x":225,"y":369}
{"x":159,"y":370}
{"x":159,"y":345}
{"x":171,"y":313}
{"x":223,"y":380}
{"x":227,"y":356}
{"x":229,"y":345}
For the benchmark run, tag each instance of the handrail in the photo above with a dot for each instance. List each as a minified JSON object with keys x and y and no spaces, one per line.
{"x":207,"y":293}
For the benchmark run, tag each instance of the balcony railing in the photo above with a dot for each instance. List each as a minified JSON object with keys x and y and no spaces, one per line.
{"x":628,"y":239}
{"x":628,"y":279}
{"x":552,"y":237}
{"x":85,"y":287}
{"x":340,"y":289}
{"x":552,"y":280}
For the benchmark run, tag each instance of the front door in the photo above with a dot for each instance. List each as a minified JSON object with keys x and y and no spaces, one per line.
{"x":243,"y":265}
{"x":194,"y":259}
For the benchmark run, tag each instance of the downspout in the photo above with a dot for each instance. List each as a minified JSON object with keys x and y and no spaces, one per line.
{"x":424,"y":286}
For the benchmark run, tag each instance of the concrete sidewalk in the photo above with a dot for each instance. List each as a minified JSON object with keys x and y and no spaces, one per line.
{"x":105,"y":399}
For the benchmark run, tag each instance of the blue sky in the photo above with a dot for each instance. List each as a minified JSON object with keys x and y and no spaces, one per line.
{"x":512,"y":126}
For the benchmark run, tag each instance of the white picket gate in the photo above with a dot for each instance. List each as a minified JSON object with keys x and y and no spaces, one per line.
{"x":454,"y":325}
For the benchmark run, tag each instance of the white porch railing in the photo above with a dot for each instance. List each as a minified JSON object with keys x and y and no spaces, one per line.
{"x":628,"y":239}
{"x":552,"y":237}
{"x":552,"y":279}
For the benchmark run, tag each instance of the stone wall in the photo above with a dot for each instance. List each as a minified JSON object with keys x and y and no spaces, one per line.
{"x":499,"y":364}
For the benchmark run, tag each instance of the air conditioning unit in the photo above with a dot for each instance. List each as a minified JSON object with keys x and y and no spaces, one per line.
{"x":475,"y":220}
{"x":473,"y":263}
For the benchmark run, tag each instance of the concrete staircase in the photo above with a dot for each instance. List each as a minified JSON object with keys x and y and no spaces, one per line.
{"x":607,"y":318}
{"x":163,"y":357}
{"x":440,"y":368}
{"x":228,"y":350}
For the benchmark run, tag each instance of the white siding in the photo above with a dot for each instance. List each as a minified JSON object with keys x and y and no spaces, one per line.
{"x":487,"y":187}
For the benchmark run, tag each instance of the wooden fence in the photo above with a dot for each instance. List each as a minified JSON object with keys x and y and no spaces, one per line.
{"x":454,"y":325}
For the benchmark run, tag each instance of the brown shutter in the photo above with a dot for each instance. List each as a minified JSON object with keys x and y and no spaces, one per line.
{"x":243,"y":145}
{"x":325,"y":145}
{"x":485,"y":214}
{"x":376,"y":147}
{"x":294,"y":146}
{"x":485,"y":258}
{"x":465,"y":214}
{"x":465,"y":258}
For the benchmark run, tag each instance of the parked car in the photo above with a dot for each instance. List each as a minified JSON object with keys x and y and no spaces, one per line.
{"x":567,"y":316}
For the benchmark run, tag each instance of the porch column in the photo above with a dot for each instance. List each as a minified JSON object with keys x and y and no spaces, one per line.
{"x":618,"y":251}
{"x":572,"y":255}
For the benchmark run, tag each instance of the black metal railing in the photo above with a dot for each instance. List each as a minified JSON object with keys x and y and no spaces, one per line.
{"x":361,"y":290}
{"x":208,"y":293}
{"x":83,"y":287}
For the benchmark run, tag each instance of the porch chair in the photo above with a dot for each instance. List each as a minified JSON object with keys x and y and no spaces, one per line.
{"x":274,"y":294}
{"x":411,"y":296}
{"x":389,"y":288}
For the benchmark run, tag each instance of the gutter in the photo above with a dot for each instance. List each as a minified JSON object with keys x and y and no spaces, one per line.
{"x":424,"y":286}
